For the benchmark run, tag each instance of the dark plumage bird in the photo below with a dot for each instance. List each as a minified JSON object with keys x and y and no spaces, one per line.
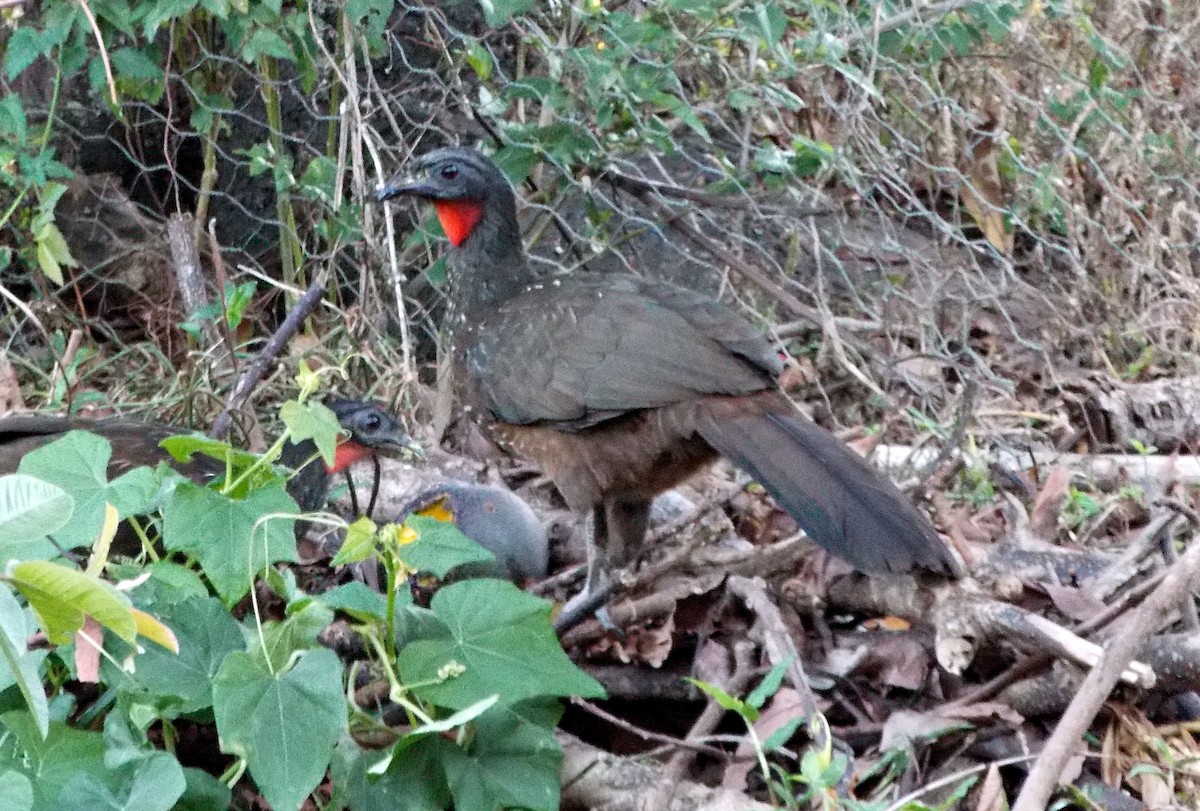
{"x":495,"y":519}
{"x":370,"y":430}
{"x":620,"y":386}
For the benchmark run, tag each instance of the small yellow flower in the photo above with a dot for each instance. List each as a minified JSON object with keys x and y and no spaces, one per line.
{"x":601,"y":45}
{"x":398,"y":534}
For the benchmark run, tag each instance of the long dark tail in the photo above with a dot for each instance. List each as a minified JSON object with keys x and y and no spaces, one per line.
{"x":842,"y":502}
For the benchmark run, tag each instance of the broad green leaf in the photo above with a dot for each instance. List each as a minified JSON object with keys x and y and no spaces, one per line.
{"x":440,"y":547}
{"x":78,"y":463}
{"x":284,"y":725}
{"x":207,"y":634}
{"x":168,"y":583}
{"x":480,"y":59}
{"x":414,"y":781}
{"x":61,"y":597}
{"x":183,"y":448}
{"x":53,"y":253}
{"x":369,"y":19}
{"x":684,"y":112}
{"x":766,"y":19}
{"x":16,"y":792}
{"x":17,"y":664}
{"x":135,"y":63}
{"x":502,"y":638}
{"x":161,"y":12}
{"x":31,"y":508}
{"x":267,"y":42}
{"x":360,"y":543}
{"x":204,"y":792}
{"x":357,"y":600}
{"x":312,"y":420}
{"x":227,"y":536}
{"x":298,"y":632}
{"x":51,"y":762}
{"x":24,"y":46}
{"x":149,"y":779}
{"x":511,"y":763}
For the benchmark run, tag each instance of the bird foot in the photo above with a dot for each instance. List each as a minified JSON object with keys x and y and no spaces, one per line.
{"x":584,"y":604}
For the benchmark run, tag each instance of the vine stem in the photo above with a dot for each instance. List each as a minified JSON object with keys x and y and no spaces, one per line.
{"x":108,"y":74}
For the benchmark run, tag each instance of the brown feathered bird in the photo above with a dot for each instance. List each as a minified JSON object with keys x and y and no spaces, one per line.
{"x":620,"y":386}
{"x":369,"y":428}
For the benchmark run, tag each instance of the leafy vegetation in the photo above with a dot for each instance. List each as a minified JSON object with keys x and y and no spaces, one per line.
{"x":1039,"y":147}
{"x":185,"y":642}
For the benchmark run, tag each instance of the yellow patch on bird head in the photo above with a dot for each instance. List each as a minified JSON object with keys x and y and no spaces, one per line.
{"x":438,"y":510}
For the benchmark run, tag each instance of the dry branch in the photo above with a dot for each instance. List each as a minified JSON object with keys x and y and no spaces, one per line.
{"x":274,"y":345}
{"x":1100,"y":681}
{"x":189,"y":275}
{"x":1102,"y":468}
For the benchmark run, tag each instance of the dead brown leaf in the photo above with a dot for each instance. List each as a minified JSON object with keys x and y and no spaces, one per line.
{"x":982,"y":194}
{"x":10,"y":388}
{"x":1073,"y":602}
{"x":991,"y":793}
{"x":646,"y":645}
{"x":1043,"y":518}
{"x":896,"y":661}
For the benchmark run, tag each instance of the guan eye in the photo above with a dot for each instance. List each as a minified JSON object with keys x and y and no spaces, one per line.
{"x":371,"y":421}
{"x":449,"y":171}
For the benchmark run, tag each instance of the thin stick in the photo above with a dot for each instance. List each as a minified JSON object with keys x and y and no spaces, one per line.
{"x":275,"y":344}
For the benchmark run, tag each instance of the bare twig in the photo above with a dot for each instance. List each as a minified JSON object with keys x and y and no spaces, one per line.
{"x":275,"y":344}
{"x":646,"y":734}
{"x":777,"y":642}
{"x":737,"y":684}
{"x":1043,"y":777}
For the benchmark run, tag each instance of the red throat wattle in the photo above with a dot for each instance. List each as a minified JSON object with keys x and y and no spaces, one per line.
{"x":346,"y":454}
{"x":458,"y":217}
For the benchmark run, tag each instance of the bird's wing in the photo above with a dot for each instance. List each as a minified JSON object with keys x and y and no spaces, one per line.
{"x":590,"y":349}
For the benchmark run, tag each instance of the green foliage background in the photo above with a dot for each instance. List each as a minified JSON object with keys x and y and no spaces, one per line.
{"x":955,"y":183}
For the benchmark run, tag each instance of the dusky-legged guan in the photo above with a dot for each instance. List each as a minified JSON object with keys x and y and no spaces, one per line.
{"x":494,"y":518}
{"x":620,"y":386}
{"x":370,"y":430}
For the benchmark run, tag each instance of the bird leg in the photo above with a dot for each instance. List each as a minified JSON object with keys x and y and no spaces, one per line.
{"x":618,"y":528}
{"x":625,"y":525}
